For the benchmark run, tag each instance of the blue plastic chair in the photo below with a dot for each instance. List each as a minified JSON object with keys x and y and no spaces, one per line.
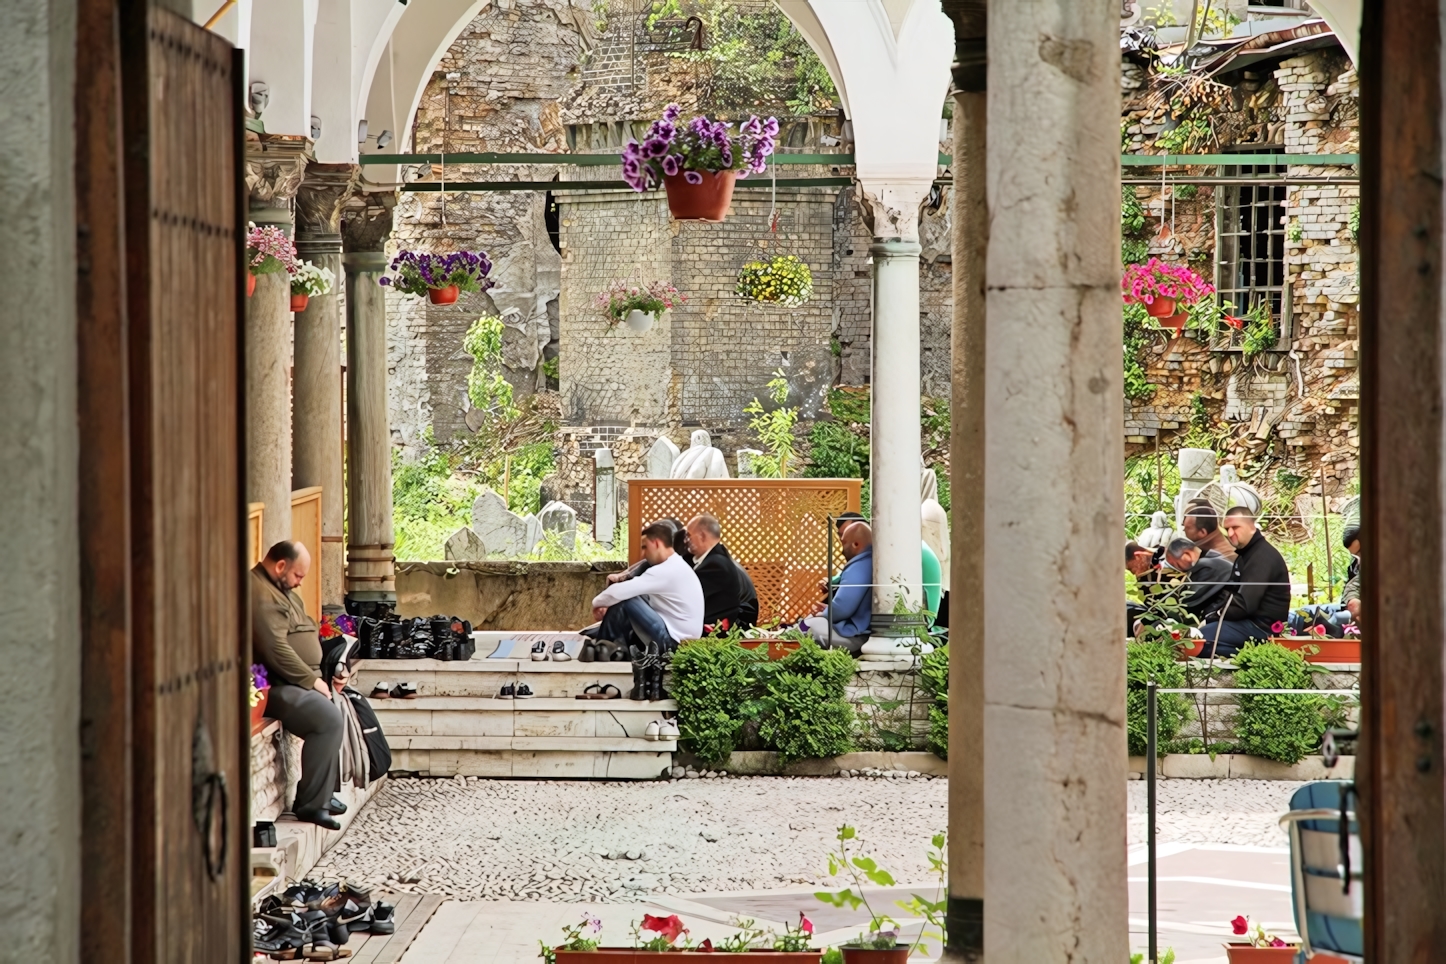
{"x":1325,"y":868}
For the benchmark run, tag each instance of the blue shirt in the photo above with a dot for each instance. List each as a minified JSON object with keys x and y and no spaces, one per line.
{"x":853,"y":600}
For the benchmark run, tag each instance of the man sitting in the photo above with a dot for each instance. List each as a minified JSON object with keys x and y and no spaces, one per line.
{"x":662,"y":604}
{"x":1335,"y":617}
{"x":1202,"y":527}
{"x":853,"y":597}
{"x":717,"y":572}
{"x":1262,"y":593}
{"x":1144,"y":565}
{"x":1207,"y":592}
{"x":284,"y":639}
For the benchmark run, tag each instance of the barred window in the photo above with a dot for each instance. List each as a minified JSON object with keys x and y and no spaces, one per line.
{"x":1250,"y":238}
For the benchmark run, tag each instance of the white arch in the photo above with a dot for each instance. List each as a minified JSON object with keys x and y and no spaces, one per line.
{"x":1344,"y":18}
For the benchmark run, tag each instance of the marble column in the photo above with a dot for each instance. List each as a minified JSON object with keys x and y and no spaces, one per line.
{"x":371,"y":571}
{"x":895,"y":462}
{"x":316,"y":446}
{"x":274,"y":169}
{"x":970,"y":246}
{"x":1054,"y":678}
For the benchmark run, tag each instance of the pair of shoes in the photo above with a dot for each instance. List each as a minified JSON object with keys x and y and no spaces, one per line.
{"x":601,"y":691}
{"x":558,"y":653}
{"x":384,"y":918}
{"x":319,"y":817}
{"x":588,"y":653}
{"x":402,"y":691}
{"x":520,"y":691}
{"x":661,"y":730}
{"x":647,"y":673}
{"x":607,"y":651}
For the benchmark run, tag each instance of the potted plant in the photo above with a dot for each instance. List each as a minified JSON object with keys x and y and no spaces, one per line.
{"x":268,"y":251}
{"x":664,"y":939}
{"x":697,"y":162}
{"x":881,"y":944}
{"x":439,"y":276}
{"x":637,"y":306}
{"x":782,"y":280}
{"x":1258,"y":947}
{"x":1164,"y":289}
{"x":308,"y":282}
{"x":259,"y":690}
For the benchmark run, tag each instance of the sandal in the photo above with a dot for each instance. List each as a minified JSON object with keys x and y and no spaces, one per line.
{"x":615,"y":694}
{"x":382,"y":691}
{"x":593,"y":692}
{"x":405,"y":691}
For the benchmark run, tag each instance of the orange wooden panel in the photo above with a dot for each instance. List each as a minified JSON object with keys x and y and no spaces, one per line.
{"x":255,"y":513}
{"x":777,"y":529}
{"x":306,"y":529}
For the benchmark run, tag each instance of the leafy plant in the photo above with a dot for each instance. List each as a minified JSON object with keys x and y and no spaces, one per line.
{"x":774,"y":428}
{"x":1146,"y":661}
{"x":1192,"y":131}
{"x":311,"y":280}
{"x":1283,"y":728}
{"x":417,"y":272}
{"x":804,"y":712}
{"x":1260,"y":334}
{"x":1294,"y":231}
{"x":934,"y":674}
{"x":835,"y":452}
{"x":781,"y":280}
{"x":883,"y":932}
{"x":486,"y":388}
{"x":573,"y":939}
{"x":711,"y":679}
{"x":1167,"y":956}
{"x":1137,"y":382}
{"x":269,"y":251}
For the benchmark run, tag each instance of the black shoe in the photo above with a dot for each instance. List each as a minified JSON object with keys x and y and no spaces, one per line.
{"x":524,"y":692}
{"x":319,"y":817}
{"x":588,"y":653}
{"x":336,"y":806}
{"x":508,"y":692}
{"x":384,"y":918}
{"x":655,"y":683}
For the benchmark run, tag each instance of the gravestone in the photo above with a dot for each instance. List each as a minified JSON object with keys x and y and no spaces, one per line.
{"x":701,"y":461}
{"x":745,"y":463}
{"x":1197,"y":469}
{"x":1238,"y":492}
{"x":561,"y":518}
{"x":534,"y":533}
{"x":661,"y":458}
{"x":501,"y":530}
{"x":464,"y":545}
{"x":605,"y":497}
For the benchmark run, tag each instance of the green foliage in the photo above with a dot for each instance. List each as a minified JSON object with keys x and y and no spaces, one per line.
{"x":429,"y":501}
{"x":753,"y":56}
{"x":1146,"y":661}
{"x":1260,"y":334}
{"x":1193,"y":131}
{"x":1185,"y":192}
{"x":1294,"y":231}
{"x":1137,"y":384}
{"x":883,"y":932}
{"x":1286,"y":729}
{"x":934,"y":422}
{"x":1134,"y":249}
{"x":1167,"y":956}
{"x":550,"y":369}
{"x":836,"y":452}
{"x":941,"y":475}
{"x":1147,"y":493}
{"x":1353,"y":221}
{"x":832,"y":956}
{"x":934,"y":675}
{"x":486,"y":387}
{"x":807,"y":721}
{"x":850,"y":406}
{"x":775,"y":429}
{"x":711,"y":679}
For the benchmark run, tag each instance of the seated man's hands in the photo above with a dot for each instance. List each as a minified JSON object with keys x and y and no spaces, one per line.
{"x":1354,"y":608}
{"x":598,"y":612}
{"x":321,"y":687}
{"x":617,"y":577}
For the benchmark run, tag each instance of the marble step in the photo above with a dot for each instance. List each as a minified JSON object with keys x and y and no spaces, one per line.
{"x":546,"y":764}
{"x":452,"y":717}
{"x":486,"y":677}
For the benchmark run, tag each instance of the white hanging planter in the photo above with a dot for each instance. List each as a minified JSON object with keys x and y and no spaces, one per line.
{"x":638,"y":320}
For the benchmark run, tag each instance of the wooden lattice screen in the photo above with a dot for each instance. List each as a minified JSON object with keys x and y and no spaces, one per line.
{"x":777,"y":529}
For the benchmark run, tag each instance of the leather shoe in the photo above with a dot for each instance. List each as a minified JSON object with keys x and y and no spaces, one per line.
{"x":319,"y":817}
{"x":336,"y":806}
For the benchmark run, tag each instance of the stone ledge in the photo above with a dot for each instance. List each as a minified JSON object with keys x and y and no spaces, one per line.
{"x":1238,"y":766}
{"x":767,"y":763}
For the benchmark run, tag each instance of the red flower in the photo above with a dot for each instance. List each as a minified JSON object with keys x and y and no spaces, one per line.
{"x":1318,"y":630}
{"x":707,"y":946}
{"x":1174,"y":634}
{"x":1277,"y":628}
{"x":1277,"y":942}
{"x":1240,"y":925}
{"x":723,"y":624}
{"x":804,"y":924}
{"x":670,"y":927}
{"x":1234,"y":322}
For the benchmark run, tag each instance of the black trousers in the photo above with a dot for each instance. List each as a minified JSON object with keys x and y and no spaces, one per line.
{"x":317,"y":721}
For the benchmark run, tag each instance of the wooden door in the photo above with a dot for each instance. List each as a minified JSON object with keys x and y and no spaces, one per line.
{"x":190,"y":647}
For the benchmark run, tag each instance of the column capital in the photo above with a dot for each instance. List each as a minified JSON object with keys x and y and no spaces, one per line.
{"x":275,"y":166}
{"x":891,"y":206}
{"x":367,"y":221}
{"x":320,"y":199}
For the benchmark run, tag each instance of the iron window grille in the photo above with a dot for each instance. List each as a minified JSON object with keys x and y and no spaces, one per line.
{"x":1250,"y":235}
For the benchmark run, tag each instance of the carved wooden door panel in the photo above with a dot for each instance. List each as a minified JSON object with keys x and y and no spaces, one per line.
{"x":190,"y":649}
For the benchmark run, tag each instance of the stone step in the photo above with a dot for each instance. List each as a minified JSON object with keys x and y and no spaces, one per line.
{"x":549,"y":764}
{"x":486,"y":677}
{"x":477,"y":717}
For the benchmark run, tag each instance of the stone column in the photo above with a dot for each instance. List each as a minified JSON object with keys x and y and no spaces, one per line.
{"x":1054,"y":740}
{"x":970,"y":224}
{"x":274,"y":168}
{"x":316,"y":393}
{"x":605,"y":497}
{"x":894,"y":428}
{"x":371,"y":573}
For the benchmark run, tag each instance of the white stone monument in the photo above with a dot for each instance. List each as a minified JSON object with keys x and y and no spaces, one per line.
{"x":1238,"y":492}
{"x":1197,"y":469}
{"x":1159,"y":533}
{"x":561,"y":518}
{"x":464,"y":545}
{"x":501,"y":530}
{"x":701,"y":461}
{"x":605,"y":497}
{"x":534,"y":534}
{"x":661,"y":458}
{"x":746,"y":469}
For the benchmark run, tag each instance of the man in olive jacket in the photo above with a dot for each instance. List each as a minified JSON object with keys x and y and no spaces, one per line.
{"x":284,"y":639}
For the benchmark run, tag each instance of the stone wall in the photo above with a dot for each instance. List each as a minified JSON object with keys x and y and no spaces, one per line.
{"x":504,"y":595}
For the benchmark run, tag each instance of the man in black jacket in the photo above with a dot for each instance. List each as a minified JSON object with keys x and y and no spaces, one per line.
{"x":1262,"y":589}
{"x":717,"y":572}
{"x":1208,"y":591}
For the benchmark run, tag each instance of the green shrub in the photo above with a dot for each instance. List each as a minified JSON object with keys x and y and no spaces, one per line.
{"x":711,"y":680}
{"x":806,"y":720}
{"x":835,"y":452}
{"x":934,"y":674}
{"x":1145,"y":662}
{"x":1286,"y":729}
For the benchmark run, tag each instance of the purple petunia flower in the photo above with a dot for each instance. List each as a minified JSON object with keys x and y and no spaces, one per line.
{"x":671,"y":112}
{"x":656,"y":147}
{"x":671,"y":165}
{"x":692,"y":177}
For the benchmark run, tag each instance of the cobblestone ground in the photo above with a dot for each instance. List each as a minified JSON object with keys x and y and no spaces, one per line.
{"x":589,"y":841}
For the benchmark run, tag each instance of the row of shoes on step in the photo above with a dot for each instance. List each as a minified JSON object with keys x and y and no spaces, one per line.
{"x":421,"y":637}
{"x":313,"y":921}
{"x":557,"y":652}
{"x":648,"y":665}
{"x":515,"y":691}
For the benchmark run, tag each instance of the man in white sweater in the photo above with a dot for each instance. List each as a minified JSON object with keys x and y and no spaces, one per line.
{"x":663,"y":604}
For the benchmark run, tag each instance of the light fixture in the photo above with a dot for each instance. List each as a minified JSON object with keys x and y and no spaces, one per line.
{"x":384,"y":138}
{"x":315,"y":127}
{"x":361,"y":131}
{"x":260,"y":96}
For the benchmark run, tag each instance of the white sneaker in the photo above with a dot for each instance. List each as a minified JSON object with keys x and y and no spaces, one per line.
{"x":539,"y":651}
{"x":559,"y":652}
{"x":651,"y":733}
{"x":668,"y":730}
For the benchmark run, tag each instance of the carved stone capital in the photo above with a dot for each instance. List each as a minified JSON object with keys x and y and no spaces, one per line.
{"x":367,"y":221}
{"x":323,"y":194}
{"x":891,"y":205}
{"x":275,"y":166}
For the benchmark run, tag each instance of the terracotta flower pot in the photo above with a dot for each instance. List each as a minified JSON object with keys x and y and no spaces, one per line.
{"x":298,"y":302}
{"x":1245,"y":954}
{"x":258,"y":712}
{"x":1175,"y":322}
{"x":250,"y":284}
{"x":1161,"y":308}
{"x":707,"y":201}
{"x":638,"y":320}
{"x":1327,"y":650}
{"x":861,"y":955}
{"x":443,"y":296}
{"x":626,"y":955}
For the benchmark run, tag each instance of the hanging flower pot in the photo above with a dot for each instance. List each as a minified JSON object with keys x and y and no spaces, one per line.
{"x":268,"y":251}
{"x":638,"y":320}
{"x":1175,"y":323}
{"x":299,"y":302}
{"x":697,"y":162}
{"x":783,"y":280}
{"x":250,"y":284}
{"x":1161,"y":307}
{"x":638,"y":305}
{"x":309,"y":281}
{"x":706,"y":200}
{"x":441,"y":277}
